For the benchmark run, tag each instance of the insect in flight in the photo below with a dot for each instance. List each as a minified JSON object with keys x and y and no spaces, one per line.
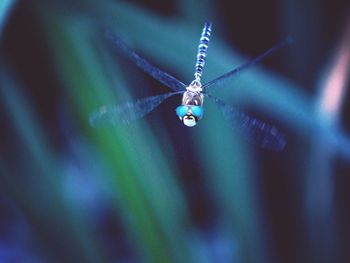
{"x":191,"y":109}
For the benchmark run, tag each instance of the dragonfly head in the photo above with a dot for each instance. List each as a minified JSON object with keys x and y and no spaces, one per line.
{"x":189,"y":114}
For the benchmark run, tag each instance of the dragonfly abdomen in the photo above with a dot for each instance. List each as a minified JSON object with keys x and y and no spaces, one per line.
{"x":202,"y":50}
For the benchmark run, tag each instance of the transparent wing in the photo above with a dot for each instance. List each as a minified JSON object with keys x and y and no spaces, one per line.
{"x":208,"y":87}
{"x":144,"y":65}
{"x":127,"y":112}
{"x":265,"y":135}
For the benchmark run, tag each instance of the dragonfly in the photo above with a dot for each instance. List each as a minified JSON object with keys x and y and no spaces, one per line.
{"x":190,"y":112}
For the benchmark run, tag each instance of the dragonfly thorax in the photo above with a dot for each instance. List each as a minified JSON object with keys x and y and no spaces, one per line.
{"x":195,"y":86}
{"x":192,"y":98}
{"x":193,"y":94}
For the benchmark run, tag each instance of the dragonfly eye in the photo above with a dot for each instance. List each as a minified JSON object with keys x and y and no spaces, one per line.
{"x":189,"y":120}
{"x":197,"y":111}
{"x":181,"y":111}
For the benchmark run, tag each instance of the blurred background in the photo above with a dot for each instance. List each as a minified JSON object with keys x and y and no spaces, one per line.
{"x":155,"y":190}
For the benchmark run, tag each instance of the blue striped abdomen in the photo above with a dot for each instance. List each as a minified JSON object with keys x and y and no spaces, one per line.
{"x":202,"y":50}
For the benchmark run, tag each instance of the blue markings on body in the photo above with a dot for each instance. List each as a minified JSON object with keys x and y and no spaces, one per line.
{"x":202,"y":50}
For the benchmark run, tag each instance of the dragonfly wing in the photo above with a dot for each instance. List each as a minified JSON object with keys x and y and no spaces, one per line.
{"x":219,"y":80}
{"x":127,"y":112}
{"x":144,"y":65}
{"x":257,"y":131}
